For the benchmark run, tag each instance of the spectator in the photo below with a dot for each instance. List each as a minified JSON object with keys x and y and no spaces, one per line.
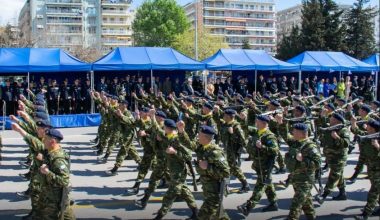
{"x":177,"y":88}
{"x":341,"y":88}
{"x":167,"y":86}
{"x":326,"y":91}
{"x":320,"y":86}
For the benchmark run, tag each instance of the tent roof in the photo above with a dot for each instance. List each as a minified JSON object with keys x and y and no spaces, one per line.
{"x":239,"y":59}
{"x":146,"y":58}
{"x":329,"y":61}
{"x":373,"y":60}
{"x":39,"y":60}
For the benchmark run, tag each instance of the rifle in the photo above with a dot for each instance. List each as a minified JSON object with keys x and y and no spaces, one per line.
{"x":345,"y":105}
{"x":278,"y":111}
{"x":270,"y":165}
{"x":57,"y":113}
{"x":300,"y":119}
{"x":222,"y":190}
{"x":369,"y":136}
{"x":191,"y":169}
{"x":322,"y":101}
{"x":64,"y":201}
{"x":333,"y":128}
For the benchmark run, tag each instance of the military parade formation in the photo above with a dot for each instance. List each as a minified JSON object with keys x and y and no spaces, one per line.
{"x":185,"y":129}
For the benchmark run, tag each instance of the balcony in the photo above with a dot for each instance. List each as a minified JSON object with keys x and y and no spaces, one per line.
{"x":116,"y":12}
{"x":116,"y":2}
{"x":115,"y":23}
{"x":229,"y":8}
{"x":66,"y":22}
{"x":117,"y":32}
{"x":64,"y":2}
{"x":64,"y":12}
{"x":110,"y":42}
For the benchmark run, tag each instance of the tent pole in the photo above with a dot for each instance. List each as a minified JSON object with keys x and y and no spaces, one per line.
{"x":376,"y":83}
{"x":299,"y":80}
{"x":255,"y":81}
{"x":28,"y":81}
{"x":205,"y":74}
{"x":151,"y":79}
{"x":92,"y":89}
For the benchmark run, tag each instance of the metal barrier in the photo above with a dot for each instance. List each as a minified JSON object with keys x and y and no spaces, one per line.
{"x":2,"y":121}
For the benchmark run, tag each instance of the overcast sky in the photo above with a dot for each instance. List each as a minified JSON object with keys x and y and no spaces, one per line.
{"x":10,"y":8}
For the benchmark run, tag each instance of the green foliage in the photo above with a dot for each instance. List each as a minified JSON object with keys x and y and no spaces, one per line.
{"x":158,"y":22}
{"x":290,"y":45}
{"x":246,"y":44}
{"x":312,"y":30}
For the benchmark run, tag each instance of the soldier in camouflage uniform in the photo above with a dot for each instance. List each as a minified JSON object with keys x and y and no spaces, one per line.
{"x":232,"y":138}
{"x":336,"y":152}
{"x":302,"y":161}
{"x":369,"y":152}
{"x":177,"y":155}
{"x":126,"y":121}
{"x":212,"y":168}
{"x":189,"y":121}
{"x":263,"y":151}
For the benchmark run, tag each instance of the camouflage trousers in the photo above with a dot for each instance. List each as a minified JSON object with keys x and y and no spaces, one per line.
{"x":148,"y":160}
{"x":336,"y":177}
{"x":280,"y":160}
{"x":374,"y":192}
{"x":211,"y":200}
{"x":114,"y":138}
{"x":51,"y":210}
{"x":160,"y":171}
{"x":260,"y":188}
{"x":35,"y":198}
{"x":177,"y":189}
{"x":302,"y":201}
{"x":234,"y":166}
{"x":126,"y":148}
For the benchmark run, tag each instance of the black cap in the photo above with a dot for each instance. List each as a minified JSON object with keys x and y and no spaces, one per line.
{"x":300,"y":126}
{"x":266,"y":96}
{"x":189,"y":99}
{"x":145,"y":109}
{"x":374,"y":124}
{"x":275,"y":103}
{"x":377,"y":103}
{"x":331,"y":106}
{"x":54,"y":134}
{"x":209,"y":105}
{"x":170,"y":123}
{"x":207,"y":130}
{"x":125,"y":102}
{"x":366,"y":108}
{"x":301,"y":108}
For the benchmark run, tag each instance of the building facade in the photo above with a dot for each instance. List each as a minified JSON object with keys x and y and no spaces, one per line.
{"x":71,"y":24}
{"x":237,"y":20}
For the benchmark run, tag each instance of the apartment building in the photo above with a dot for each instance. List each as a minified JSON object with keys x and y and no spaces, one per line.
{"x":238,"y":21}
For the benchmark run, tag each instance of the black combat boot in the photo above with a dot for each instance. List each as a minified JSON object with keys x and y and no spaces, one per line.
{"x":363,"y":216}
{"x":159,"y":216}
{"x":351,"y":148}
{"x":26,"y":164}
{"x":321,"y":199}
{"x":25,"y":194}
{"x":113,"y":171}
{"x":245,"y":187}
{"x":353,"y":178}
{"x":28,"y":217}
{"x":194,"y":215}
{"x":99,"y":152}
{"x":26,"y":176}
{"x":245,"y":208}
{"x":310,"y":217}
{"x":143,"y":202}
{"x":376,"y":212}
{"x":271,"y":208}
{"x":162,"y":184}
{"x":135,"y":189}
{"x":96,"y":147}
{"x":104,"y":159}
{"x":342,"y":195}
{"x":281,"y":170}
{"x":325,"y":168}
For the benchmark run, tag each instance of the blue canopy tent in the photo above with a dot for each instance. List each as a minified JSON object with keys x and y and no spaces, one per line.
{"x":146,"y":58}
{"x":239,"y":59}
{"x":327,"y":61}
{"x":45,"y":60}
{"x":375,"y":60}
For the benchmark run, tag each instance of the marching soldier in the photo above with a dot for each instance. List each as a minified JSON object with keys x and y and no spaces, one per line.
{"x":263,"y":152}
{"x":336,"y":151}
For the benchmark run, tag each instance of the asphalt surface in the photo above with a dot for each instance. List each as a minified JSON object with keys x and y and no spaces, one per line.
{"x":98,"y":196}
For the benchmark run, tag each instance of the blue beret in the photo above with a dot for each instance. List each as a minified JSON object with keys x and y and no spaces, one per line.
{"x":338,"y":117}
{"x":54,"y":134}
{"x":41,"y":115}
{"x":301,"y":108}
{"x":161,"y":114}
{"x":230,"y":91}
{"x":44,"y":124}
{"x":207,"y":130}
{"x":342,"y":100}
{"x":300,"y":126}
{"x":208,"y":97}
{"x":189,"y":99}
{"x":209,"y":105}
{"x":145,"y":109}
{"x":266,"y":96}
{"x":125,"y":102}
{"x":297,"y":99}
{"x":275,"y":103}
{"x":377,"y":103}
{"x":330,"y":106}
{"x":170,"y":123}
{"x":221,"y":97}
{"x":249,"y":96}
{"x":365,"y":108}
{"x":229,"y":112}
{"x":185,"y":93}
{"x":374,"y":124}
{"x":241,"y":101}
{"x":264,"y":118}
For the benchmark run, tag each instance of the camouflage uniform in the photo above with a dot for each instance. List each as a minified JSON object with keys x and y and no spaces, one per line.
{"x":178,"y":172}
{"x":303,"y":175}
{"x":57,"y":180}
{"x":263,"y":161}
{"x":211,"y":178}
{"x":233,"y":144}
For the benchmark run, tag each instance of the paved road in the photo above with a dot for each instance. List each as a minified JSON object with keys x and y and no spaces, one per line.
{"x":100,"y":197}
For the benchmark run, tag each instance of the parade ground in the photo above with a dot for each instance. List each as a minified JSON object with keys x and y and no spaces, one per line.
{"x":98,"y":196}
